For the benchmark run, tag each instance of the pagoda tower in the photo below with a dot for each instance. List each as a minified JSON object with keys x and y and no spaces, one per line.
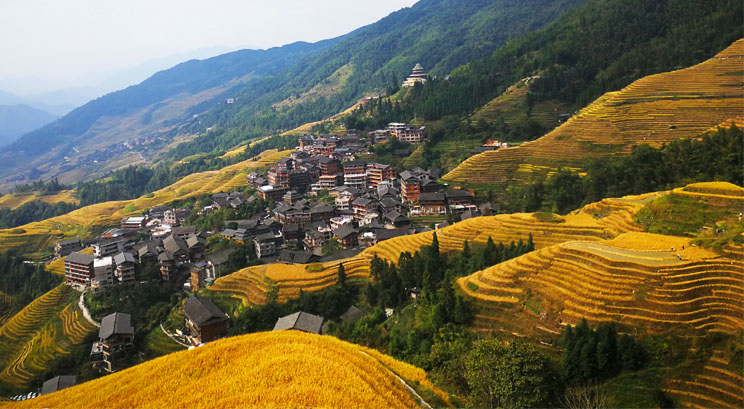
{"x":417,"y":75}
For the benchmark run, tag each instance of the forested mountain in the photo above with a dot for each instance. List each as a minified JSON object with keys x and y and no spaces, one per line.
{"x":280,"y":88}
{"x":146,"y":109}
{"x":602,"y":46}
{"x":439,"y":34}
{"x":16,"y":120}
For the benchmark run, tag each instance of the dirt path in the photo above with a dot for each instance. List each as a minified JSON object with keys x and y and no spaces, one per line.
{"x":410,"y":389}
{"x":86,"y":313}
{"x":172,"y":337}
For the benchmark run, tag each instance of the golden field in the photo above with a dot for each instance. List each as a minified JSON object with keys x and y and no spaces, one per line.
{"x":653,"y":110}
{"x":36,"y":236}
{"x":16,"y":200}
{"x":39,"y":333}
{"x":650,"y":289}
{"x":265,"y":370}
{"x":595,"y":222}
{"x":718,"y":384}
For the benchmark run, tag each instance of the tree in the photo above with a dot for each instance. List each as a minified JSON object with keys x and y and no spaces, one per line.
{"x":589,"y":397}
{"x":341,"y":275}
{"x":513,"y":375}
{"x":332,"y":246}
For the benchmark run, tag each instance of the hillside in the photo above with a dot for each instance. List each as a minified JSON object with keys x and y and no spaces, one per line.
{"x":16,"y":200}
{"x":43,"y":331}
{"x":440,"y":34}
{"x":595,"y":222}
{"x":141,"y":115}
{"x":654,"y":110}
{"x":264,"y":370}
{"x":16,"y":120}
{"x":48,"y":328}
{"x":36,"y":237}
{"x":305,"y":83}
{"x":648,"y":283}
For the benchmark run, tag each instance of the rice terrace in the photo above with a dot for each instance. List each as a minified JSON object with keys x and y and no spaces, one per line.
{"x":476,"y":204}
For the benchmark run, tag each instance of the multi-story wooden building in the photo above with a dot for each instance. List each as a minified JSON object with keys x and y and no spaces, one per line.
{"x":378,"y":172}
{"x":329,"y":166}
{"x":65,"y":247}
{"x":175,"y":217}
{"x":116,"y":337}
{"x":204,"y":320}
{"x":273,"y":192}
{"x":79,"y":270}
{"x":418,"y":75}
{"x":125,"y":267}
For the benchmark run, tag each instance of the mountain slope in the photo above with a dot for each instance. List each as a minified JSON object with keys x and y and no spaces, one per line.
{"x":16,"y":120}
{"x":440,"y":34}
{"x":141,"y":114}
{"x":263,"y":370}
{"x":252,"y":285}
{"x":37,"y":237}
{"x":653,"y":110}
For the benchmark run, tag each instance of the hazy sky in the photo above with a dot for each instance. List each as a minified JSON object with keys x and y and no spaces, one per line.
{"x":70,"y":43}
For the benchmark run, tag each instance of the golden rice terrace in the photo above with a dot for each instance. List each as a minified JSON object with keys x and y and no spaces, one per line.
{"x":654,"y":110}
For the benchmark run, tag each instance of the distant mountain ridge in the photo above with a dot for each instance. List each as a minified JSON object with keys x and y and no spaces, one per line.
{"x":16,"y":120}
{"x":79,"y":145}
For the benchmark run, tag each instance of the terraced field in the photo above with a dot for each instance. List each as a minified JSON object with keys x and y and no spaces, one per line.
{"x":718,"y":384}
{"x":39,"y":235}
{"x":511,"y":107}
{"x":263,"y":370}
{"x":39,"y":333}
{"x":595,"y":222}
{"x":252,"y":285}
{"x":6,"y":304}
{"x":16,"y":200}
{"x":654,"y":110}
{"x":653,"y":289}
{"x":718,"y":194}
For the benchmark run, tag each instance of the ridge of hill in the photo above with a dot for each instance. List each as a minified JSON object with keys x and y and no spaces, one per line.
{"x":37,"y":236}
{"x":16,"y":120}
{"x":270,"y":369}
{"x":653,"y":110}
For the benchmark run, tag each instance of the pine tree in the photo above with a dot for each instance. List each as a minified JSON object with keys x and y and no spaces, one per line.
{"x":606,"y":350}
{"x":341,"y":275}
{"x":448,"y":301}
{"x":490,"y":253}
{"x":462,"y":311}
{"x":466,"y":250}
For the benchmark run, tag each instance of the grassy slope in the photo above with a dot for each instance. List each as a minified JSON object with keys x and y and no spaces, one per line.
{"x":35,"y":237}
{"x":271,"y":369}
{"x":656,"y":109}
{"x":512,"y":108}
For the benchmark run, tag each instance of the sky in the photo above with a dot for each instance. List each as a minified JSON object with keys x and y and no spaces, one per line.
{"x":52,"y":45}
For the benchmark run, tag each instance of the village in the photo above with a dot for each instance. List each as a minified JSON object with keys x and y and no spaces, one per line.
{"x":321,"y":203}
